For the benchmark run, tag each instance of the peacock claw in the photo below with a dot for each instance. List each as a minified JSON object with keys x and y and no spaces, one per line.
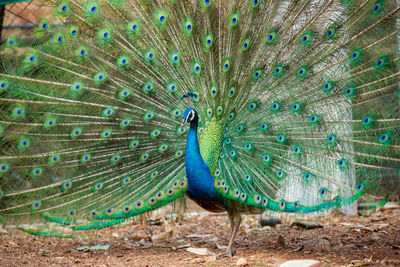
{"x":229,"y":252}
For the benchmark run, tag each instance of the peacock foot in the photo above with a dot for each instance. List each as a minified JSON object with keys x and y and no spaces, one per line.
{"x":229,"y":252}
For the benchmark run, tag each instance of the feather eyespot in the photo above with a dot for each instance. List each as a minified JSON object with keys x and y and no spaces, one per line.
{"x":257,"y":74}
{"x":133,"y":27}
{"x":377,"y":7}
{"x":249,"y":148}
{"x":133,"y":144}
{"x":126,"y":181}
{"x":282,"y":205}
{"x":226,"y":64}
{"x":220,"y":110}
{"x":208,"y":41}
{"x":109,"y":211}
{"x":330,"y":32}
{"x":302,"y":72}
{"x":115,"y":159}
{"x":162,"y":17}
{"x":196,"y":68}
{"x":144,"y":157}
{"x":92,"y":214}
{"x":170,"y":192}
{"x":85,"y":158}
{"x":36,"y":205}
{"x":152,"y":201}
{"x":246,"y":44}
{"x":44,"y":25}
{"x":127,"y":209}
{"x":267,"y":159}
{"x":342,"y":163}
{"x":255,"y":3}
{"x":368,"y":121}
{"x":305,"y":39}
{"x":72,"y":213}
{"x":327,"y":87}
{"x":160,"y":195}
{"x":264,"y":127}
{"x":36,"y":172}
{"x":73,"y":31}
{"x":323,"y":192}
{"x":297,"y":150}
{"x":206,"y":3}
{"x":178,"y":154}
{"x":213,"y":90}
{"x":54,"y":159}
{"x":384,"y":139}
{"x":356,"y":56}
{"x":360,"y":187}
{"x":307,"y":177}
{"x":234,"y":19}
{"x":123,"y":62}
{"x":4,"y":168}
{"x":275,"y":107}
{"x":97,"y":187}
{"x":280,"y":174}
{"x":271,"y":37}
{"x":278,"y":71}
{"x":231,"y":116}
{"x":188,"y":27}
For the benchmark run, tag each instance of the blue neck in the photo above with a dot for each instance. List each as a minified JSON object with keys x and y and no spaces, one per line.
{"x":200,"y":181}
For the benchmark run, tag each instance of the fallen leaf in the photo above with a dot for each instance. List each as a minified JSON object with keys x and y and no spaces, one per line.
{"x":363,"y":262}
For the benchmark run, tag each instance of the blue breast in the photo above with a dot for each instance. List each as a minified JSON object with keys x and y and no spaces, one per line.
{"x":200,"y":181}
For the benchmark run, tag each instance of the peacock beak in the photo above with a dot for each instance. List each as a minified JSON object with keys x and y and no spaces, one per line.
{"x":184,"y":121}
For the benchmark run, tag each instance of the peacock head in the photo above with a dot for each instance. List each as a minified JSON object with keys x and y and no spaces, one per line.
{"x":189,"y":115}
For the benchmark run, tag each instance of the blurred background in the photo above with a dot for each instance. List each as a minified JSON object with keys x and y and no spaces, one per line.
{"x":20,"y":18}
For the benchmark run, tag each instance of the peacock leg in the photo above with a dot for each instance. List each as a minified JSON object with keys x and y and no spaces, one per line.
{"x":235,"y":219}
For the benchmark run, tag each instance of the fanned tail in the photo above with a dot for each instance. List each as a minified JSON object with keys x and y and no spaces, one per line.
{"x":298,"y":104}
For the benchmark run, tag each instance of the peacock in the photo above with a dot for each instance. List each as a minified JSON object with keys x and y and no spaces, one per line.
{"x":119,"y":107}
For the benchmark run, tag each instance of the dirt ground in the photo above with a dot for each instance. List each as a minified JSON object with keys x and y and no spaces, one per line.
{"x":369,"y":239}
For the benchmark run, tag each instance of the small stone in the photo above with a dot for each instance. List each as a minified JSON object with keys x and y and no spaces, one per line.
{"x":171,"y":234}
{"x":269,"y":221}
{"x":375,"y":236}
{"x":210,"y":259}
{"x":197,"y":260}
{"x":307,"y":225}
{"x":242,"y":262}
{"x":115,"y":235}
{"x":321,"y":244}
{"x":200,"y":251}
{"x":301,"y":263}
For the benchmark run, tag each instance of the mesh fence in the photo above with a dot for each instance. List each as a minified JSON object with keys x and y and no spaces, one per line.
{"x":20,"y":18}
